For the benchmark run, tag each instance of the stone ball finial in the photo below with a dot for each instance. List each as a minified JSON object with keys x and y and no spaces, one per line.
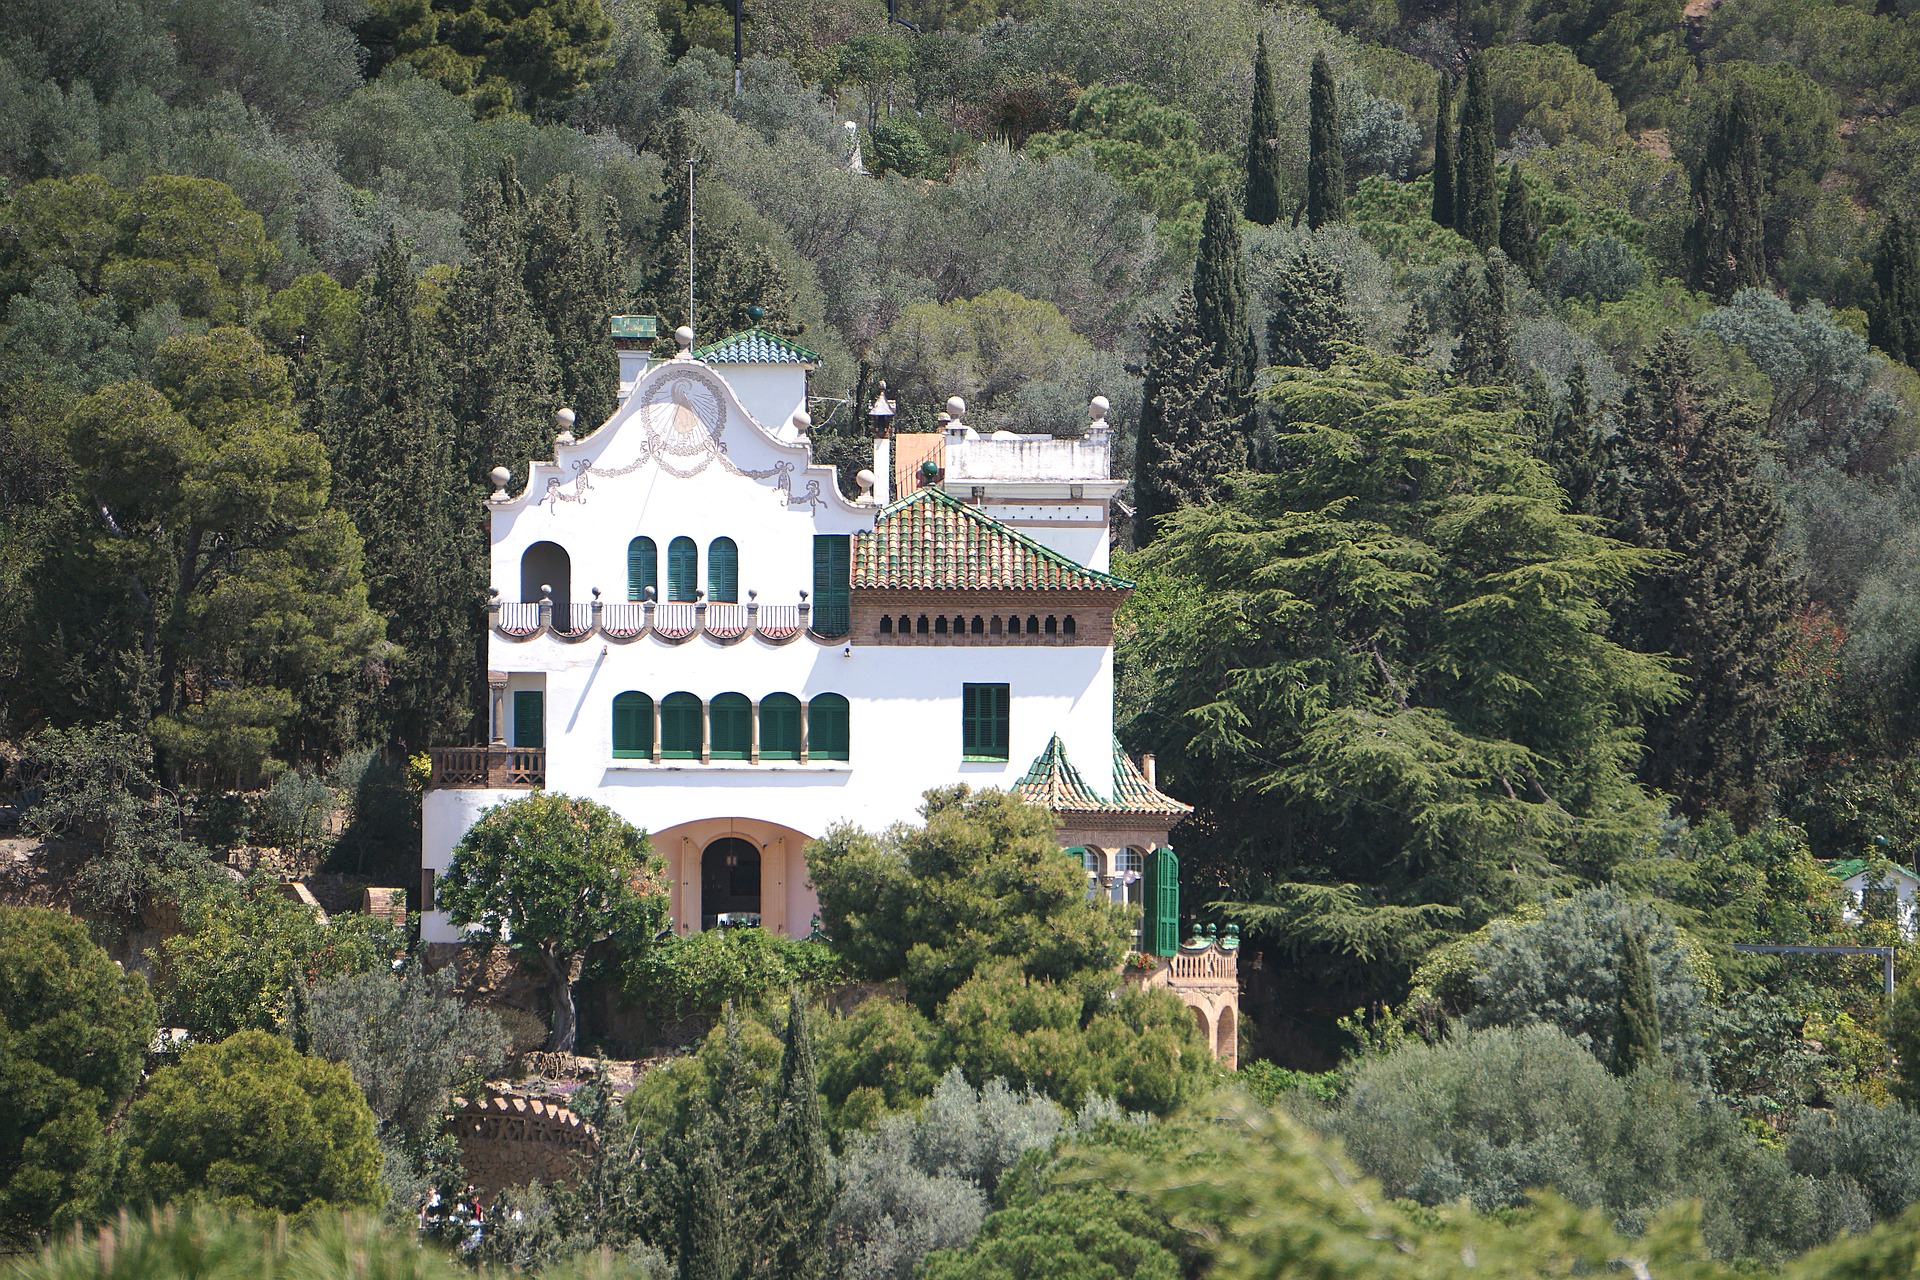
{"x":500,"y":476}
{"x":1099,"y":408}
{"x":546,"y":591}
{"x":684,"y":336}
{"x":756,"y":313}
{"x":564,"y":419}
{"x":802,"y":421}
{"x":864,"y":478}
{"x":956,"y":408}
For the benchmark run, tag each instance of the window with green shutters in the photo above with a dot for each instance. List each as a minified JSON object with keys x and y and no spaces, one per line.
{"x":723,"y":571}
{"x":680,"y":727}
{"x":683,"y":569}
{"x":529,"y":718}
{"x":643,"y":568}
{"x":632,"y":727}
{"x":832,"y":584}
{"x":731,"y":717}
{"x":984,"y":721}
{"x":779,"y":727}
{"x":829,"y":735}
{"x":1161,"y":935}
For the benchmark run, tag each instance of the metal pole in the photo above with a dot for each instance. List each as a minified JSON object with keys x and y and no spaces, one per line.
{"x":1885,"y":954}
{"x":736,"y":48}
{"x":690,"y":323}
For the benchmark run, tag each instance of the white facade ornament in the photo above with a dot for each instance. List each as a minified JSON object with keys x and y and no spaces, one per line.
{"x":499,"y":476}
{"x":564,"y":420}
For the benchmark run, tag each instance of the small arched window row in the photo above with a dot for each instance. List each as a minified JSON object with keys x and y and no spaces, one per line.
{"x":730,"y":727}
{"x":683,"y":569}
{"x":1033,"y":625}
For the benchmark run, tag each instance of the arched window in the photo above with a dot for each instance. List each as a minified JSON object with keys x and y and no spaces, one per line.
{"x":1090,"y":861}
{"x":723,"y":571}
{"x":779,"y":727}
{"x":1013,"y":626}
{"x":940,"y":625}
{"x":828,"y":733}
{"x":730,"y":884}
{"x":1129,"y":869}
{"x":643,"y":568}
{"x":683,"y":568}
{"x":680,"y":730}
{"x":1033,"y":625}
{"x":732,"y":718}
{"x":1053,"y":624}
{"x":979,"y":625}
{"x":886,"y":624}
{"x":906,"y":624}
{"x":959,"y":625}
{"x":632,"y":726}
{"x":1067,"y":626}
{"x":921,"y":625}
{"x":994,"y":626}
{"x":546,"y":564}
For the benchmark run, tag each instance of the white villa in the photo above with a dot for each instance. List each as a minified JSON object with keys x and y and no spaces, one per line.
{"x":691,"y":625}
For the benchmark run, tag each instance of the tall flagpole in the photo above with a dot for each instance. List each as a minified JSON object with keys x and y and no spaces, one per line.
{"x":690,"y":323}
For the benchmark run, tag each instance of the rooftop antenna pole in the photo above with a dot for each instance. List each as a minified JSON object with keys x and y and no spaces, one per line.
{"x":690,"y":323}
{"x":736,"y":48}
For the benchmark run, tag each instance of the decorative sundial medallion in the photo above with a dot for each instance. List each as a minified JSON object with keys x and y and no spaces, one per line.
{"x":686,"y":415}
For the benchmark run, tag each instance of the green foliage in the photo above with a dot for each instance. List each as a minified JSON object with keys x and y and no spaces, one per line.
{"x":74,"y":1032}
{"x":1636,"y":1013}
{"x":1262,"y":205}
{"x":1443,"y":206}
{"x":1721,"y":600}
{"x":1481,"y":316}
{"x":982,"y":880}
{"x":1541,"y":89}
{"x":532,"y":56}
{"x":251,"y":1123}
{"x":1893,"y":315}
{"x":1076,"y":1235}
{"x":246,"y":953}
{"x":553,"y":875}
{"x":1726,"y":245}
{"x":1326,"y":164}
{"x":900,"y":148}
{"x":1519,"y":237}
{"x":988,"y":349}
{"x":1633,"y":45}
{"x":1191,"y":437}
{"x":1476,"y":189}
{"x":703,"y":972}
{"x":1311,"y":318}
{"x":1903,"y":1037}
{"x":1390,"y":710}
{"x":1220,"y":299}
{"x":1267,"y":1083}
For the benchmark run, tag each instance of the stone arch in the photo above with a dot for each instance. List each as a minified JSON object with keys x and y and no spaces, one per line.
{"x":1226,"y":1043}
{"x":1206,"y":1027}
{"x":787,"y":901}
{"x":730,"y":885}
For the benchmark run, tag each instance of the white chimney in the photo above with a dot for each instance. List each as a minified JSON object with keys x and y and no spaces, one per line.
{"x":633,"y":340}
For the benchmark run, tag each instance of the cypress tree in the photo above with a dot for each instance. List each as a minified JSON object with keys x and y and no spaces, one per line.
{"x":499,"y":356}
{"x":721,"y":1178}
{"x":1415,"y":340}
{"x":1726,"y":244}
{"x":1689,"y":486}
{"x":1326,"y":164}
{"x":1485,"y":351}
{"x":1220,"y":300}
{"x":571,"y":284}
{"x":1893,"y":310}
{"x":1636,"y":1015}
{"x":795,"y":1238}
{"x":1519,"y":237}
{"x":1310,"y":314}
{"x":1576,"y":445}
{"x":1443,"y":161}
{"x":396,"y":473}
{"x":1263,"y":145}
{"x":1476,"y":188}
{"x":1190,"y":430}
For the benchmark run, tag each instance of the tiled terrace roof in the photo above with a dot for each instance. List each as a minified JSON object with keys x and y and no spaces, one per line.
{"x":1053,"y":782}
{"x":931,"y":541}
{"x":756,"y":346}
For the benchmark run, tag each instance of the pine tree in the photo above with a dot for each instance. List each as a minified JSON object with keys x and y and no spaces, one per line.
{"x":795,"y":1238}
{"x":1893,"y":309}
{"x":1519,"y":237}
{"x":1485,"y":351}
{"x":1476,"y":188}
{"x":1263,"y":145}
{"x":1310,"y":314}
{"x":571,"y":283}
{"x":1576,"y":445}
{"x":499,"y":356}
{"x":1326,"y":164}
{"x":1220,"y":300}
{"x":1726,"y":246}
{"x":1190,"y":429}
{"x":396,"y":474}
{"x":1415,"y":340}
{"x":1636,"y":1014}
{"x":1690,"y":487}
{"x":1443,"y":161}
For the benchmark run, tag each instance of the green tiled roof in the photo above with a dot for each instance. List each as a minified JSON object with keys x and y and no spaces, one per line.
{"x":756,"y":346}
{"x":932,"y":541}
{"x":1848,"y":868}
{"x":1052,"y":781}
{"x":635,"y":327}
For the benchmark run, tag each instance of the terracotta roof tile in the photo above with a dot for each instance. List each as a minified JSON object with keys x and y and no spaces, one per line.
{"x":1052,"y":781}
{"x":931,"y":541}
{"x":756,"y":346}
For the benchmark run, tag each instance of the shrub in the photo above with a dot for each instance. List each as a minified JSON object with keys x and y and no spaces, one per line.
{"x":900,"y":148}
{"x":699,"y":974}
{"x":253,"y":1123}
{"x":1861,"y":1150}
{"x":74,"y":1031}
{"x":1601,"y":268}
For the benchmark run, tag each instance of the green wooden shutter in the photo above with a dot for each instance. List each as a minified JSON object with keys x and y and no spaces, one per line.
{"x":832,"y":584}
{"x":829,"y":735}
{"x":680,"y":727}
{"x":683,"y":569}
{"x":529,"y":718}
{"x":779,"y":727}
{"x":731,"y":715}
{"x":723,"y":571}
{"x":643,"y":568}
{"x":632,"y":726}
{"x":1161,"y":935}
{"x":984,"y":721}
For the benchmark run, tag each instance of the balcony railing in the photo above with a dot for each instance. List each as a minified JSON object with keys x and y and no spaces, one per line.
{"x":671,"y":621}
{"x":487,"y":768}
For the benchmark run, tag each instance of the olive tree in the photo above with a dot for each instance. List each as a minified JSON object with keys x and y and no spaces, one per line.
{"x":552,"y":875}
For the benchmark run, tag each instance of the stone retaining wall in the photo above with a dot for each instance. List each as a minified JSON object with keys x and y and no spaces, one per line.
{"x":510,"y":1142}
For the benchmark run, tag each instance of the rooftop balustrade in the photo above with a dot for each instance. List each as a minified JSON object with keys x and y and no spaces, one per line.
{"x":670,"y":621}
{"x":495,"y":767}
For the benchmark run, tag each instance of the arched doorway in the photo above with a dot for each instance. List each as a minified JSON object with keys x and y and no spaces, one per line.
{"x":547,"y":564}
{"x":730,"y":883}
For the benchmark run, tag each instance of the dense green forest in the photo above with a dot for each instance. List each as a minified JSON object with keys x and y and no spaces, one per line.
{"x":1521,"y":410}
